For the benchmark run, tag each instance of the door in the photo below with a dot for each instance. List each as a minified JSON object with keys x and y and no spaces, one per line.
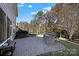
{"x":2,"y":25}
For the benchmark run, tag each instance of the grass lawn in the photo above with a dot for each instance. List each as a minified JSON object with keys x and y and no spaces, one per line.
{"x":70,"y":50}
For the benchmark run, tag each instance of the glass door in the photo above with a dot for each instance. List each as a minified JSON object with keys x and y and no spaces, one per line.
{"x":2,"y":25}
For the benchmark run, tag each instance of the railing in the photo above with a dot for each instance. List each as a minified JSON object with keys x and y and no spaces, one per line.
{"x":5,"y":41}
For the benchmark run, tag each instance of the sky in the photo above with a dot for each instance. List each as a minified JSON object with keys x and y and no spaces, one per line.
{"x":27,"y":10}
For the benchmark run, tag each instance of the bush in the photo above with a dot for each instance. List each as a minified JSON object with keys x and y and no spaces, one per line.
{"x":58,"y":34}
{"x":75,"y":35}
{"x":64,"y":34}
{"x":19,"y":30}
{"x":25,"y":32}
{"x":21,"y":34}
{"x":22,"y":31}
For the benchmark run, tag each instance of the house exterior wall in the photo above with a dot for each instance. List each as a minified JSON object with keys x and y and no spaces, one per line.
{"x":10,"y":9}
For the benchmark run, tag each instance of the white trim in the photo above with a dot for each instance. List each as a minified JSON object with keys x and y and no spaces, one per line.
{"x":5,"y":41}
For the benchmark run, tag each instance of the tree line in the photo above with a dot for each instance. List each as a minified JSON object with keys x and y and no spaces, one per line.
{"x":64,"y":16}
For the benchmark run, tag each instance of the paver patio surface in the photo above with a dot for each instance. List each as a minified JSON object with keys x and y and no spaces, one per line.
{"x":32,"y":46}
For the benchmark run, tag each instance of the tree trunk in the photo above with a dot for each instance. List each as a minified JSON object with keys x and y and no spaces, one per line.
{"x":70,"y":37}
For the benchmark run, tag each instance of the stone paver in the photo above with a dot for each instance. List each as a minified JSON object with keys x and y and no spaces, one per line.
{"x":32,"y":46}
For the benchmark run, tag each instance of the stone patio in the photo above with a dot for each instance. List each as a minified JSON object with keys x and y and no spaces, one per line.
{"x":32,"y":46}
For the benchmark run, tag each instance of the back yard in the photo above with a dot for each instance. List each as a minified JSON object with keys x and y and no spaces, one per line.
{"x":71,"y":49}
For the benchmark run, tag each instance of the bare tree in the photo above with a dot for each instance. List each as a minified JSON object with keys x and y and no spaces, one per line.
{"x":68,"y":16}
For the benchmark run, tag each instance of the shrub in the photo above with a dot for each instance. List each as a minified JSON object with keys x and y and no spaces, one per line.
{"x":75,"y":35}
{"x":21,"y":34}
{"x":19,"y":30}
{"x":22,"y":31}
{"x":25,"y":32}
{"x":58,"y":34}
{"x":64,"y":34}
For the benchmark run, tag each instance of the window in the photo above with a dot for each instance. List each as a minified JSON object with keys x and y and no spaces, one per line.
{"x":8,"y":27}
{"x":2,"y":25}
